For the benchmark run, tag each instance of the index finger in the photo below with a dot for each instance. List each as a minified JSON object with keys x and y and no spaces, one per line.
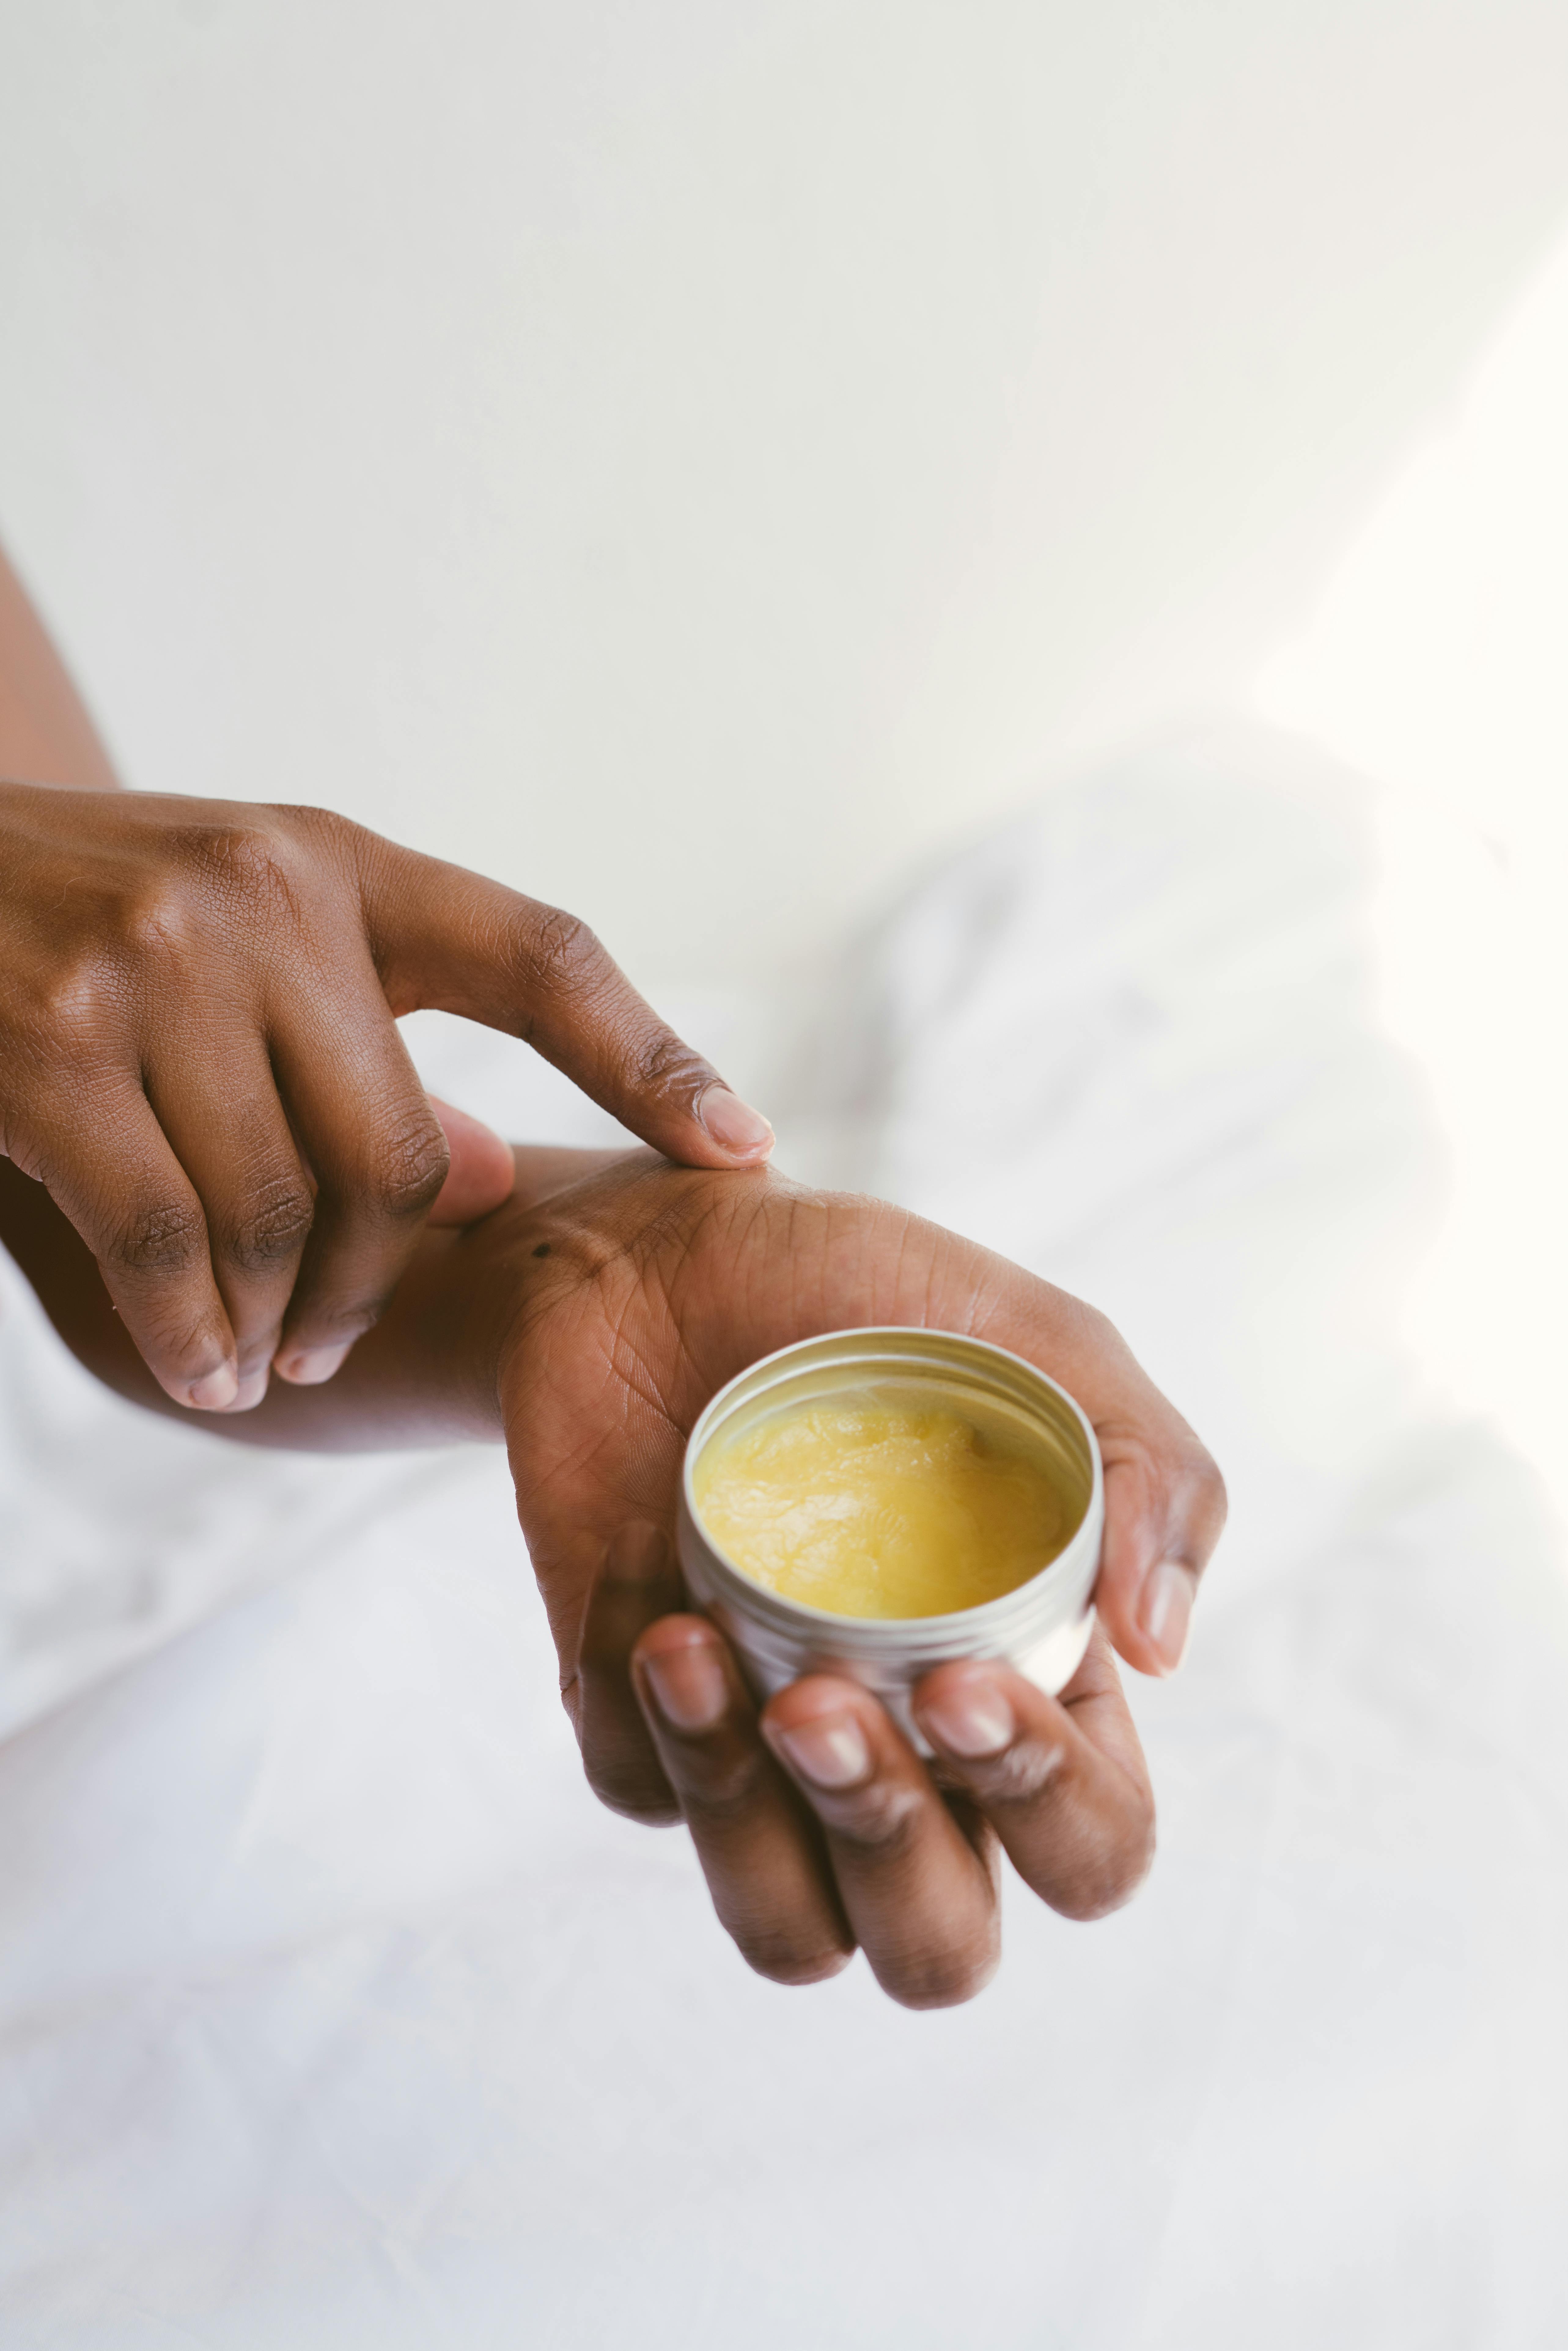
{"x":448,"y":940}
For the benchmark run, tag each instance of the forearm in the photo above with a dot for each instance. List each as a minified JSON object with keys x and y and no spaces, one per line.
{"x":425,"y":1373}
{"x":46,"y":733}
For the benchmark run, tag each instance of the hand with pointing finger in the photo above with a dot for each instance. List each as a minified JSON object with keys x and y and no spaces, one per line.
{"x":199,"y":1060}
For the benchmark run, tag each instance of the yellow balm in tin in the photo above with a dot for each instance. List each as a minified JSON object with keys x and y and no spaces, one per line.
{"x":877,"y":1504}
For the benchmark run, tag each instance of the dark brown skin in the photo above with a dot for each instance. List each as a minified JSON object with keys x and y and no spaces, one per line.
{"x":589,"y":1320}
{"x":198,"y":1054}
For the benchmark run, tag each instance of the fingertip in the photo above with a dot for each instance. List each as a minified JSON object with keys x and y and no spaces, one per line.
{"x":742,"y":1133}
{"x":215,"y":1391}
{"x":252,"y":1391}
{"x":1151,"y":1626}
{"x":673,"y":1632}
{"x":311,"y":1367}
{"x":1165,"y":1612}
{"x":965,"y":1713}
{"x":636,"y":1796}
{"x":680,"y":1663}
{"x":796,"y":1971}
{"x":814,"y":1695}
{"x":818,"y":1729}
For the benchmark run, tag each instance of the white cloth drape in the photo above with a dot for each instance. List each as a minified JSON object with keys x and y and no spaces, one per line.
{"x":336,"y":2014}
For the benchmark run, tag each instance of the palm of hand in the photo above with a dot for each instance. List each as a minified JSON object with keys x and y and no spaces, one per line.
{"x":661,"y":1283}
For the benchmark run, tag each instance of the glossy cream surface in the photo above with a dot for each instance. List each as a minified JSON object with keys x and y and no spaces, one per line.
{"x":869,"y":1505}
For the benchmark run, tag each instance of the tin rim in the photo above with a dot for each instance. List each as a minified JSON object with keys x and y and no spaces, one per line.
{"x":912,"y":1628}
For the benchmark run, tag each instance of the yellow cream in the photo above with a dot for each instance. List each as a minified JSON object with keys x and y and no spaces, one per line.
{"x":872,"y":1506}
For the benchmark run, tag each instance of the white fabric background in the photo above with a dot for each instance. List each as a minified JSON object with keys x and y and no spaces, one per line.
{"x":761,"y":439}
{"x":336,"y":2015}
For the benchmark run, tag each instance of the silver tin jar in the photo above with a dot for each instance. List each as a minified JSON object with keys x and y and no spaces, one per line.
{"x":1041,"y":1627}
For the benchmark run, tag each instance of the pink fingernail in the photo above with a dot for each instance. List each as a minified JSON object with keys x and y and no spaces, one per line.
{"x":733,"y":1126}
{"x":214,"y":1390}
{"x":972,"y":1719}
{"x":688,"y":1686}
{"x":251,"y":1390}
{"x":1167,"y":1612}
{"x":832,"y":1753}
{"x":306,"y":1367}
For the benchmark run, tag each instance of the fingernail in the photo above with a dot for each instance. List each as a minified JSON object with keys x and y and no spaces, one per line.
{"x":733,"y":1126}
{"x":215,"y":1391}
{"x":1167,"y":1613}
{"x":688,"y":1686}
{"x":637,"y":1553}
{"x":971,"y":1718}
{"x":831,"y":1752}
{"x":308,"y":1366}
{"x":251,"y":1390}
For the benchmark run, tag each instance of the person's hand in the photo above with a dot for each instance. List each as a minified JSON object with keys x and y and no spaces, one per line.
{"x":199,"y":1060}
{"x":642,"y":1290}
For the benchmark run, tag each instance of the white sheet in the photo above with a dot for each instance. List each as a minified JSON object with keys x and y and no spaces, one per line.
{"x":336,"y":2014}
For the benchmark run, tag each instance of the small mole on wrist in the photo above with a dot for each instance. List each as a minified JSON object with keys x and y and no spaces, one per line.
{"x":543,"y":1250}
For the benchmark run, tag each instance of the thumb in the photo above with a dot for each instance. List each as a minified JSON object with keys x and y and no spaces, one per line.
{"x":454,"y":942}
{"x":480,"y":1171}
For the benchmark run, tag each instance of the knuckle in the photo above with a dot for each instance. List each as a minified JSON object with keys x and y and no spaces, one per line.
{"x":1091,"y":1330}
{"x":410,"y":1169}
{"x":1186,"y":1474}
{"x":557,"y":951}
{"x":719,"y":1790}
{"x":328,"y":827}
{"x":1213,"y":1500}
{"x":165,"y":1239}
{"x":248,"y":859}
{"x":73,"y":1006}
{"x":325,"y":840}
{"x":883,"y":1818}
{"x":160,"y":927}
{"x":273,"y":1229}
{"x":1021,"y":1775}
{"x":212,"y":876}
{"x":1099,"y":1328}
{"x":662,"y":1063}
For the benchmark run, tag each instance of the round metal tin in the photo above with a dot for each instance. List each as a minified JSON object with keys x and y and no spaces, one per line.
{"x":1042,"y":1626}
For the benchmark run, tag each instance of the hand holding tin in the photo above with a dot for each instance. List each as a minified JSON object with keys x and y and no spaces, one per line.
{"x":655,"y":1288}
